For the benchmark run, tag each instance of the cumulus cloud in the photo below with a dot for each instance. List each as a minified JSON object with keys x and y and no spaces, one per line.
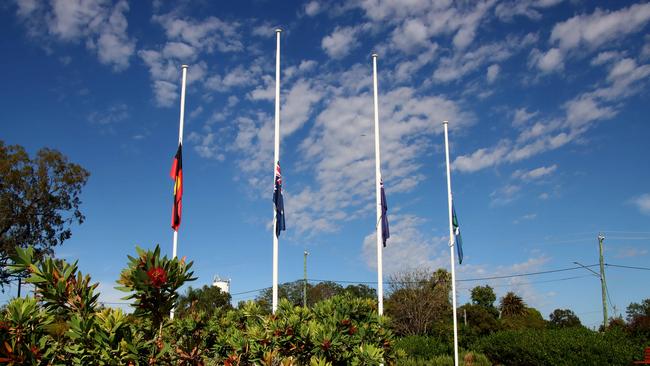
{"x":492,"y":73}
{"x":536,"y":173}
{"x":642,"y":202}
{"x":99,"y":23}
{"x":592,"y":31}
{"x":340,"y":42}
{"x":531,"y":9}
{"x":407,"y":248}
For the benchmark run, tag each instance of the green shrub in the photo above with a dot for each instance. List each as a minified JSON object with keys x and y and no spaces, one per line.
{"x":423,"y":347}
{"x":569,"y":346}
{"x":465,"y":359}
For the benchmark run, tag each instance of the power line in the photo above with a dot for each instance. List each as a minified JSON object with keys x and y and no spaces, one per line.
{"x":628,"y":267}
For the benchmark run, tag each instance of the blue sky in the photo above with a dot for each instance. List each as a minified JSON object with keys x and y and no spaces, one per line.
{"x":547,"y":102}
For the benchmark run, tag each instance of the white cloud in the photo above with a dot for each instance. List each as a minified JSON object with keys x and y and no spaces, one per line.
{"x":600,"y":27}
{"x":535,"y":173}
{"x":505,"y":194}
{"x":492,"y":73}
{"x":481,"y":158}
{"x":631,"y":252}
{"x":312,"y":8}
{"x":606,"y":57}
{"x":550,"y":61}
{"x":461,"y":63}
{"x":522,"y":116}
{"x":100,"y":24}
{"x":113,"y":114}
{"x":410,"y":36}
{"x":341,"y":42}
{"x":506,"y":11}
{"x":642,"y":202}
{"x":298,"y":105}
{"x":407,"y":248}
{"x":591,"y":31}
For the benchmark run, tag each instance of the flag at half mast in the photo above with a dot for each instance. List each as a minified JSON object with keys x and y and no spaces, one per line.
{"x":385,"y":232}
{"x":177,"y":175}
{"x":457,"y":238}
{"x":278,"y":201}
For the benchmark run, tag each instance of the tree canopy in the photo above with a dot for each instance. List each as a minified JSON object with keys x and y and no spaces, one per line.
{"x":206,"y":299}
{"x":564,"y":318}
{"x":39,"y":201}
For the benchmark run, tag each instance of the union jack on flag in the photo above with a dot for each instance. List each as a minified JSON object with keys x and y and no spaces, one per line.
{"x":278,"y":201}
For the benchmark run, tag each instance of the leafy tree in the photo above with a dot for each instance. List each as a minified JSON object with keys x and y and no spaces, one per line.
{"x":638,"y":317}
{"x":635,"y":310}
{"x":480,"y":320}
{"x":206,"y":299}
{"x":361,"y":291}
{"x":512,"y":305}
{"x":419,"y":301}
{"x":39,"y":201}
{"x":483,"y":296}
{"x":564,"y":318}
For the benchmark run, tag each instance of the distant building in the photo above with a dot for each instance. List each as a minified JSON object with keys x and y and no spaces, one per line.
{"x":222,"y":284}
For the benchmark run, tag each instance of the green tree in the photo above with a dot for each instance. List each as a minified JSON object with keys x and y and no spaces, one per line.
{"x":564,"y":318}
{"x":483,"y":296}
{"x":512,"y":305}
{"x":638,"y":317}
{"x":361,"y":291}
{"x":207,"y":299}
{"x":39,"y":202}
{"x":419,"y":301}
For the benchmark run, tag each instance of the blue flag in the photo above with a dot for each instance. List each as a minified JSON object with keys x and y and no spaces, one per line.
{"x":385,"y":233}
{"x":458,"y":238}
{"x":278,"y":202}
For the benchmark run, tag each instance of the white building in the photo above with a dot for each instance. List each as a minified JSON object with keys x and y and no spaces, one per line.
{"x":223,"y":284}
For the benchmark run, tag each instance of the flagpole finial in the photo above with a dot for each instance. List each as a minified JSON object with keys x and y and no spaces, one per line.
{"x":278,"y":30}
{"x":374,"y":55}
{"x":445,"y":122}
{"x":184,"y":66}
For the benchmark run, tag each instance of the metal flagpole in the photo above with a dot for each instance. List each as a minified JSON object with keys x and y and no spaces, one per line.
{"x":276,"y":159}
{"x":180,"y":137}
{"x":380,"y":282}
{"x":180,"y":142}
{"x":452,"y":242}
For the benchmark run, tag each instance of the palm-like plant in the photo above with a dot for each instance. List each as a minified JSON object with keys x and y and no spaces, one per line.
{"x":512,"y":305}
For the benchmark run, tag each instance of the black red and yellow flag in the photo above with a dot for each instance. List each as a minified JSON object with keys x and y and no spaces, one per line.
{"x":177,"y":175}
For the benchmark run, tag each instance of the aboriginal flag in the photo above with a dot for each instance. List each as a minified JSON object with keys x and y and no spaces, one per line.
{"x":177,"y":175}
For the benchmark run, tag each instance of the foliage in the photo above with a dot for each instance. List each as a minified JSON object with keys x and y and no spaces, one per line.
{"x":512,"y":305}
{"x":419,"y":301}
{"x":153,"y":281}
{"x":565,"y":346}
{"x":39,"y":201}
{"x":564,"y":318}
{"x":465,"y":359}
{"x":531,"y":318}
{"x":293,"y":292}
{"x":207,"y":299}
{"x":423,"y":347}
{"x":340,"y":331}
{"x":480,"y":322}
{"x":484,"y":296}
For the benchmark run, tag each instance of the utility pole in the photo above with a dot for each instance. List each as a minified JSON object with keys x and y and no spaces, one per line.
{"x":603,"y":282}
{"x":304,"y":284}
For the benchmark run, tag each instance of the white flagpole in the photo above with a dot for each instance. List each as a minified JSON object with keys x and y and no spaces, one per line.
{"x":180,"y":142}
{"x":452,"y":243}
{"x":380,"y":281}
{"x":276,"y":158}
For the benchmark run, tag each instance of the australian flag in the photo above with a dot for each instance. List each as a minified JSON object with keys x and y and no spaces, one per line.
{"x":278,"y":201}
{"x":385,"y":232}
